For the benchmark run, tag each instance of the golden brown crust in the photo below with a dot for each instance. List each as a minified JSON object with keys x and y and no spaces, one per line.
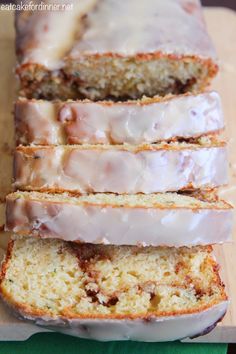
{"x":207,"y":62}
{"x":141,"y":102}
{"x":12,"y":197}
{"x":6,"y":260}
{"x":212,"y":143}
{"x":188,"y":189}
{"x":67,"y":314}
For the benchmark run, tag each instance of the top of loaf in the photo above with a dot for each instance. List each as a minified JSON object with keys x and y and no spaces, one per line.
{"x":111,"y":27}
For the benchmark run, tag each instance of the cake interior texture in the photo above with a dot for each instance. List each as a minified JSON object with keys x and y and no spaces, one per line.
{"x":61,"y":279}
{"x":102,"y":77}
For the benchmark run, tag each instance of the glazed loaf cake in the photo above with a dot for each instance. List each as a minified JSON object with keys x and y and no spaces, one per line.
{"x":159,"y":219}
{"x":101,"y":51}
{"x":114,"y":293}
{"x":148,"y":120}
{"x":121,"y":168}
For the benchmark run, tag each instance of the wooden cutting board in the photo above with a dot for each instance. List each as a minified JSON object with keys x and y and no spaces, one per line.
{"x":222,"y":27}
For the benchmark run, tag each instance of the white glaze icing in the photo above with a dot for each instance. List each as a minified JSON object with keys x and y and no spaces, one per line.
{"x":79,"y":122}
{"x":36,"y":122}
{"x":45,"y":37}
{"x":145,"y":27}
{"x":160,"y":329}
{"x":122,"y":27}
{"x":117,"y":169}
{"x":72,"y":220}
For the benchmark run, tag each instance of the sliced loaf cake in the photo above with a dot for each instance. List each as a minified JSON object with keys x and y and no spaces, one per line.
{"x":157,"y":219}
{"x":121,"y":168}
{"x":148,"y":120}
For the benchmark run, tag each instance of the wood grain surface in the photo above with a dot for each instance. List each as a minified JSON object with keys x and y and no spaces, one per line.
{"x":222,"y":27}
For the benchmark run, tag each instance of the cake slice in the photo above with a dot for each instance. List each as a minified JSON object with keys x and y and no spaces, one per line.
{"x":121,"y":168}
{"x":159,"y":219}
{"x":114,"y":49}
{"x":148,"y":120}
{"x":114,"y":293}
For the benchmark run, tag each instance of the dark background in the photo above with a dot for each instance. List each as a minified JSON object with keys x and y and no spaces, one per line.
{"x":226,"y":3}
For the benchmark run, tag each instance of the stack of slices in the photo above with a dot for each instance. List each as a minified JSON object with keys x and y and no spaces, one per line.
{"x":115,"y":173}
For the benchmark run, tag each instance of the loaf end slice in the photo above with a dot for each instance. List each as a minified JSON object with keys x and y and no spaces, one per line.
{"x":113,"y":293}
